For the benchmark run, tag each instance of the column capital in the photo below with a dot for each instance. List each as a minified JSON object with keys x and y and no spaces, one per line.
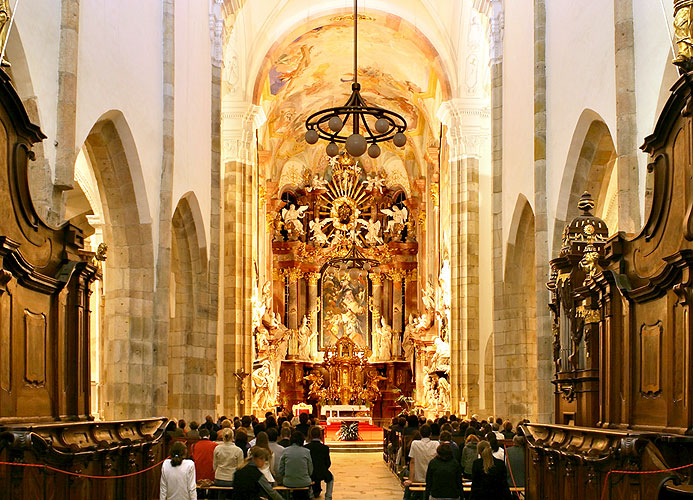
{"x":216,"y":31}
{"x":239,"y":122}
{"x":467,"y":126}
{"x":497,"y":31}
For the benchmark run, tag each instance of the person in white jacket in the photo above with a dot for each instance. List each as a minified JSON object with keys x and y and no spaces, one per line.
{"x":178,"y":480}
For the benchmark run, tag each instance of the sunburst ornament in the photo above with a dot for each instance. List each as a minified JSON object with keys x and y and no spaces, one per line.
{"x":345,"y":206}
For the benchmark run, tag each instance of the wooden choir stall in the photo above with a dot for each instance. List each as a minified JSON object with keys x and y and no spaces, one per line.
{"x":622,"y":345}
{"x":45,"y":279}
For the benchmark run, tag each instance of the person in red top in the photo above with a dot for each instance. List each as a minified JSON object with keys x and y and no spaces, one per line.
{"x":202,"y":453}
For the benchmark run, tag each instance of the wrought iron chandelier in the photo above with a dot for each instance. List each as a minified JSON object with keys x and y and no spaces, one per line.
{"x":329,"y":123}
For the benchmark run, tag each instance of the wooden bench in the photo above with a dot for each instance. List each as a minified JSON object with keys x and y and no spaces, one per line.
{"x":285,"y":491}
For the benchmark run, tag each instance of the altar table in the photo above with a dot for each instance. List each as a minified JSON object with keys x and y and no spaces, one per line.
{"x":352,"y":410}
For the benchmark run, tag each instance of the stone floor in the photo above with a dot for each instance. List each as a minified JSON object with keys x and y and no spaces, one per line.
{"x":363,"y":475}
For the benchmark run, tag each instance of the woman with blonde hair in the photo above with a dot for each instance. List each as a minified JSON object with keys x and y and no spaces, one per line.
{"x":227,"y":458}
{"x":489,"y":478}
{"x":178,"y":480}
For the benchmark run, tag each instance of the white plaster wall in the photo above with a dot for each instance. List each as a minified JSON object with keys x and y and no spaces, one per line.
{"x":193,"y":101}
{"x":120,"y":68}
{"x":38,"y":24}
{"x":580,"y":74}
{"x":654,"y":73}
{"x":518,"y":108}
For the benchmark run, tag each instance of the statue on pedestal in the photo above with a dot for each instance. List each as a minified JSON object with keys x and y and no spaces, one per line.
{"x":382,"y":341}
{"x":304,"y":337}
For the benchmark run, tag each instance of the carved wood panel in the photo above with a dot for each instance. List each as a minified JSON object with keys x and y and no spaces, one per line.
{"x":35,"y":332}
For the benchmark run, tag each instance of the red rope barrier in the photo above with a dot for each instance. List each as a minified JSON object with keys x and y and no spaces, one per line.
{"x":69,"y":473}
{"x":606,"y":479}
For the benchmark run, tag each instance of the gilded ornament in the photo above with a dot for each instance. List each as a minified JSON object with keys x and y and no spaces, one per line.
{"x":682,"y":33}
{"x":313,"y":279}
{"x":435,"y":194}
{"x":376,"y":279}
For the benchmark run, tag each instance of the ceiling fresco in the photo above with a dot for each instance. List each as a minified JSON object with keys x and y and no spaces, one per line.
{"x":313,"y":69}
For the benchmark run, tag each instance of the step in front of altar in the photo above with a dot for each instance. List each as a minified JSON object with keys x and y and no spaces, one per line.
{"x":367,"y":432}
{"x":355,"y":447}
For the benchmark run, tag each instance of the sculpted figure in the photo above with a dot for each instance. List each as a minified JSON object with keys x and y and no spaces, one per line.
{"x":382,"y":341}
{"x":444,"y":393}
{"x":408,"y":340}
{"x":262,"y":380}
{"x":398,"y":217}
{"x":682,"y":35}
{"x":441,"y":358}
{"x":5,"y":16}
{"x":316,"y":225}
{"x":372,"y":231}
{"x":292,"y":218}
{"x":374,"y":183}
{"x":316,"y":183}
{"x":305,"y":337}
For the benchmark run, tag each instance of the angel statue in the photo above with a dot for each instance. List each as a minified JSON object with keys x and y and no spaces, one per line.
{"x":397,"y":216}
{"x":372,"y":231}
{"x":292,"y":218}
{"x":316,"y":183}
{"x":441,"y":357}
{"x":374,"y":183}
{"x":316,"y":225}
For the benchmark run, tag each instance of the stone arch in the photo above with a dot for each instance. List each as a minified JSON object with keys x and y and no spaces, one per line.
{"x":191,"y":377}
{"x":131,"y":358}
{"x":516,"y":329}
{"x":590,"y":163}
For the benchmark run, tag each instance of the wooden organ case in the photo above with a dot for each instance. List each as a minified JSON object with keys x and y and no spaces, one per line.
{"x":45,"y":279}
{"x":623,"y":349}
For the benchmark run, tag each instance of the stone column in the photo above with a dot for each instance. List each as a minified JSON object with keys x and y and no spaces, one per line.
{"x":292,"y":276}
{"x":466,"y":136}
{"x":397,"y":300}
{"x":377,"y":304}
{"x":541,"y":402}
{"x":239,"y":122}
{"x":626,"y":123}
{"x":313,"y":308}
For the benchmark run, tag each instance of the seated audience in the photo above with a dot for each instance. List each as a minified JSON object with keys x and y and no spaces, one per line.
{"x":179,"y":432}
{"x":262,"y":441}
{"x":469,"y":454}
{"x":304,"y":424}
{"x":285,"y":437}
{"x":178,"y":480}
{"x":515,"y":462}
{"x":446,"y":437}
{"x":242,"y":440}
{"x":412,"y":425}
{"x":246,"y":423}
{"x":227,"y":458}
{"x":276,"y":449}
{"x":421,"y":452}
{"x":489,"y":476}
{"x":508,"y":430}
{"x":444,"y":475}
{"x":193,"y":433}
{"x":249,"y":482}
{"x":296,"y":466}
{"x":320,"y":456}
{"x":202,"y":453}
{"x":496,"y":448}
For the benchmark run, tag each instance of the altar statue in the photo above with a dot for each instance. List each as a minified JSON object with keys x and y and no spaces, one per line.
{"x":292,"y":218}
{"x":372,"y":231}
{"x":398,"y":217}
{"x":316,"y":225}
{"x":316,"y":183}
{"x":444,"y":394}
{"x":374,"y":183}
{"x":430,"y":395}
{"x":304,"y":338}
{"x":382,"y":341}
{"x":262,"y":386}
{"x":440,"y":362}
{"x":682,"y":34}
